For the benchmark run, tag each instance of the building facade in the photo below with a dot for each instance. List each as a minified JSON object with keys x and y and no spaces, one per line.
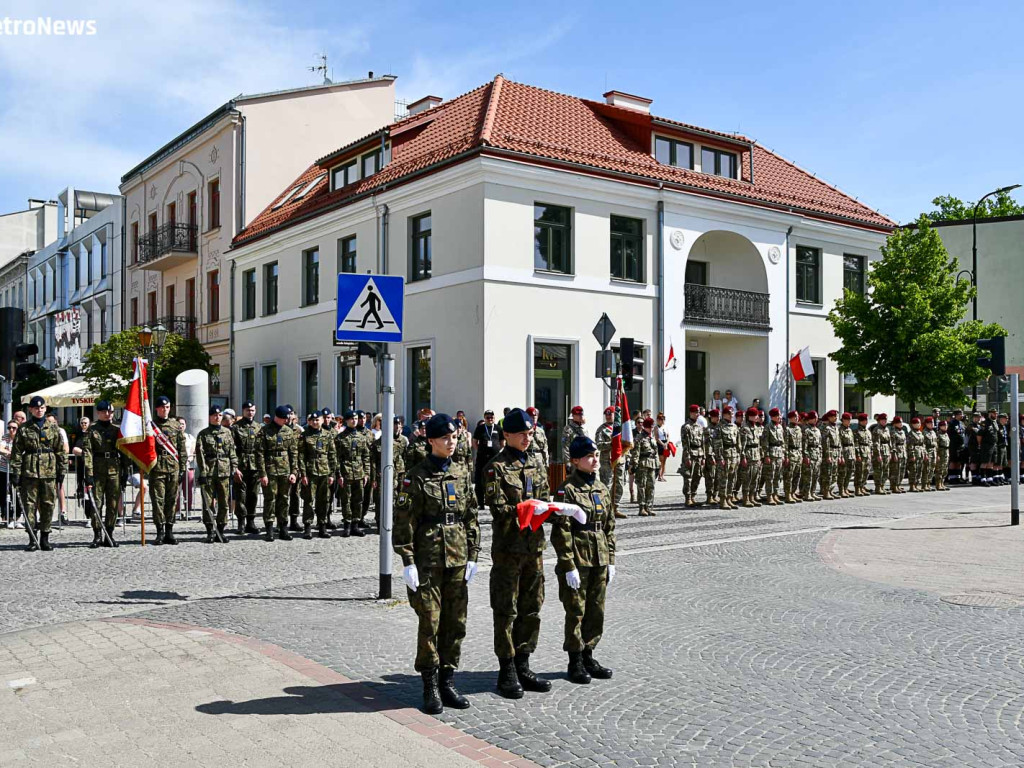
{"x":186,"y":201}
{"x":518,"y":217}
{"x":22,"y":233}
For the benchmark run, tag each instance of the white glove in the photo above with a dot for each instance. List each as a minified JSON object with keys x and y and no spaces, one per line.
{"x":471,"y":569}
{"x":568,"y":510}
{"x":611,"y":574}
{"x":411,"y":576}
{"x":572,"y":578}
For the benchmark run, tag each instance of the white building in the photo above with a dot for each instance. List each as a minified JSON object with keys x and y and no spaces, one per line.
{"x":22,"y":233}
{"x":517,"y":217}
{"x":186,"y":201}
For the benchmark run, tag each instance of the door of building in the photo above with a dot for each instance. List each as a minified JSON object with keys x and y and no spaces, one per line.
{"x":552,"y":391}
{"x":192,"y":221}
{"x":696,"y":377}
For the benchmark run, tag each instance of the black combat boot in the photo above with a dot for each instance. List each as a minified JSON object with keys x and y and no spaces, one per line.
{"x":293,"y":524}
{"x":250,"y":525}
{"x":111,"y":541}
{"x":159,"y":538}
{"x":594,"y":667}
{"x":431,"y":695}
{"x":97,"y":539}
{"x":330,"y":523}
{"x":450,"y":695}
{"x":344,"y":530}
{"x":33,"y":542}
{"x":356,"y":530}
{"x":321,"y":531}
{"x":169,"y":534}
{"x":307,"y":531}
{"x":527,"y":678}
{"x":44,"y":541}
{"x":241,"y":526}
{"x":221,"y":534}
{"x":577,"y":672}
{"x":282,"y":533}
{"x":210,"y":538}
{"x":508,"y":681}
{"x":269,"y":535}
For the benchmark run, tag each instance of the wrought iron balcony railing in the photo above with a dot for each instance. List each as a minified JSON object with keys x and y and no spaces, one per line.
{"x":169,"y":238}
{"x":727,"y":306}
{"x":183,"y":326}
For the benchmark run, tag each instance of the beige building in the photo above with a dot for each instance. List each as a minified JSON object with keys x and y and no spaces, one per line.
{"x":186,"y":201}
{"x":22,"y":233}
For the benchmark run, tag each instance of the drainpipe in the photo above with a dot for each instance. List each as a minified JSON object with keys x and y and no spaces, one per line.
{"x":241,"y":177}
{"x":231,"y":335}
{"x":790,"y":400}
{"x":124,"y":264}
{"x":660,"y":298}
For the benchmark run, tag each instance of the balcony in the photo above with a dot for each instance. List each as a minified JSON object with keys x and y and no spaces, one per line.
{"x":183,"y":326}
{"x":169,"y":246}
{"x":726,"y":307}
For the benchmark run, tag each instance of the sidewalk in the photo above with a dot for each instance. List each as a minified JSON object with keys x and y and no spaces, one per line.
{"x":127,"y":692}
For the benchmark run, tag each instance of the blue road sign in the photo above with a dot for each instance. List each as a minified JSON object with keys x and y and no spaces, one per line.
{"x":369,"y":308}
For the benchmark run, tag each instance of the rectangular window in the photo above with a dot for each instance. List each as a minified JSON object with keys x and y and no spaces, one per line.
{"x":103,"y":260}
{"x":421,"y":267}
{"x":76,"y":269}
{"x":853,"y":395}
{"x":213,"y":310}
{"x":853,"y":274}
{"x":311,"y":276}
{"x":135,"y":313}
{"x":249,"y":294}
{"x":551,"y":238}
{"x":344,"y":175}
{"x":370,"y":164}
{"x":808,"y":275}
{"x":135,"y":242}
{"x":627,"y":249}
{"x":419,"y":379}
{"x":347,"y":254}
{"x":672,"y":152}
{"x":172,"y":213}
{"x":718,"y":162}
{"x":152,"y":224}
{"x":696,"y":272}
{"x":103,"y":324}
{"x":169,"y":300}
{"x":190,"y":299}
{"x":248,"y":384}
{"x":310,"y":385}
{"x":89,"y":268}
{"x":808,"y":391}
{"x":270,"y":288}
{"x":269,"y":388}
{"x":346,"y":386}
{"x":213,"y":194}
{"x":151,"y":309}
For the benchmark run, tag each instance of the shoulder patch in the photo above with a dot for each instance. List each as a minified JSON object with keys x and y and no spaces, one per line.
{"x":406,"y":482}
{"x":490,"y":472}
{"x":561,"y":492}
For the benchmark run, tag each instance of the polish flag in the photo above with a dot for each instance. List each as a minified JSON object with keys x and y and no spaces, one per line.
{"x":622,"y":432}
{"x":137,"y":441}
{"x":671,"y":363}
{"x":534,"y":512}
{"x":801,"y":364}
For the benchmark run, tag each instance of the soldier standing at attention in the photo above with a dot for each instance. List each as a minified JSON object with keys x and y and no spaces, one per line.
{"x":603,"y":440}
{"x":438,"y":538}
{"x":167,"y":474}
{"x":863,"y":447}
{"x":418,"y":448}
{"x":317,"y":467}
{"x":831,"y":453}
{"x":353,"y":471}
{"x":881,"y":454}
{"x":277,"y":461}
{"x":942,"y":443}
{"x":1002,"y":460}
{"x":812,"y":458}
{"x":957,"y":447}
{"x":538,"y":440}
{"x":293,"y":492}
{"x":750,"y":453}
{"x":486,"y":442}
{"x":916,"y":455}
{"x":586,"y":561}
{"x":847,"y":456}
{"x":711,"y":465}
{"x":794,"y":457}
{"x":773,"y":447}
{"x":464,"y":446}
{"x":37,"y":466}
{"x":898,"y":468}
{"x":398,"y":446}
{"x":974,"y":447}
{"x":102,"y":473}
{"x":646,"y":448}
{"x":517,"y":575}
{"x":247,"y":479}
{"x":216,"y":462}
{"x":573,"y":428}
{"x":931,"y":446}
{"x":691,"y":440}
{"x":728,"y":450}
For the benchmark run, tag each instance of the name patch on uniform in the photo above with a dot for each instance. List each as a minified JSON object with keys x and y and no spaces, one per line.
{"x":449,"y":490}
{"x":529,"y":487}
{"x":596,"y":498}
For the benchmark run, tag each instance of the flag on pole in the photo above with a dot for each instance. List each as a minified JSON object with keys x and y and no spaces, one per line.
{"x":622,"y":431}
{"x":137,"y":441}
{"x":670,"y":364}
{"x":801,"y":364}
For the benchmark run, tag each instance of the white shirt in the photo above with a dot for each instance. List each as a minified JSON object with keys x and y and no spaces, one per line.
{"x":702,"y":421}
{"x":733,"y":402}
{"x":715,"y":402}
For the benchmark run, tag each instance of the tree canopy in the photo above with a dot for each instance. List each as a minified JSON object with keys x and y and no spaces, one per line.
{"x":905,"y":336}
{"x":949,"y":208}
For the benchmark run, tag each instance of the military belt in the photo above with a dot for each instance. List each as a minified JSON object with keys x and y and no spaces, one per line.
{"x":448,"y":518}
{"x":591,"y":526}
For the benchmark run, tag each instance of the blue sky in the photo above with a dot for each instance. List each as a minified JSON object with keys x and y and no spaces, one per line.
{"x":893,"y":102}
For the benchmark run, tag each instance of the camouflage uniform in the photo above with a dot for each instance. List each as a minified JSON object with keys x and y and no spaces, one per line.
{"x":103,"y":472}
{"x":215,"y":464}
{"x":727,"y":448}
{"x":37,"y":466}
{"x":367,"y":436}
{"x":613,"y":477}
{"x":572,"y":429}
{"x":831,"y":453}
{"x":277,"y":457}
{"x":691,"y":441}
{"x":538,"y":448}
{"x":931,"y":449}
{"x":517,"y":574}
{"x":463,"y":451}
{"x":166,"y":475}
{"x":416,"y":451}
{"x":773,"y":447}
{"x":711,"y":462}
{"x":881,"y":455}
{"x":318,"y":463}
{"x":848,"y":455}
{"x":588,"y":549}
{"x":646,"y":467}
{"x":353,"y":471}
{"x":811,"y":463}
{"x":942,"y":443}
{"x":794,"y":461}
{"x":436,"y":530}
{"x":398,"y":446}
{"x":863,"y":447}
{"x":244,"y":432}
{"x":917,"y":457}
{"x":750,"y":451}
{"x":898,"y":467}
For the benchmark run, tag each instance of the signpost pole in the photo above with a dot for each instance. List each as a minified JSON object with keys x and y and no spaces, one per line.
{"x":1014,"y":449}
{"x":387,"y":473}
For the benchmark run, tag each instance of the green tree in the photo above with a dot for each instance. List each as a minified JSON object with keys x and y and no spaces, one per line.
{"x":949,"y":208}
{"x":904,"y":336}
{"x":40,"y":378}
{"x":109,"y":365}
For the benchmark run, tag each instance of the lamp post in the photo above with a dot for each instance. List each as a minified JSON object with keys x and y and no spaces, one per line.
{"x":152,"y":341}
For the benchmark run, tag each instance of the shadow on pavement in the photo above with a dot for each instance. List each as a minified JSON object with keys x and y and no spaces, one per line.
{"x":151,"y":594}
{"x":307,"y":700}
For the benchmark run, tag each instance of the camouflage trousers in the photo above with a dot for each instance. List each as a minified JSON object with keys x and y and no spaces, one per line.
{"x":929,"y":468}
{"x":38,"y":497}
{"x":352,"y":500}
{"x":441,"y":603}
{"x":293,"y":500}
{"x":645,"y":486}
{"x":741,"y":476}
{"x":275,"y":501}
{"x":316,"y":499}
{"x":916,"y":461}
{"x":517,"y":595}
{"x":106,"y":491}
{"x":941,"y":466}
{"x":880,"y":467}
{"x":215,"y":492}
{"x":772,"y":471}
{"x":163,"y":496}
{"x":693,"y":467}
{"x":809,"y":476}
{"x":584,"y":608}
{"x":846,"y":472}
{"x":246,"y":494}
{"x":727,"y":479}
{"x":860,"y":472}
{"x":897,"y":470}
{"x":791,"y":467}
{"x":751,"y":478}
{"x":828,"y":472}
{"x":618,"y":474}
{"x":711,"y":472}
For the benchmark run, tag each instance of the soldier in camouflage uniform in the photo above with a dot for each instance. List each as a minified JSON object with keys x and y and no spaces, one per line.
{"x":942,"y":443}
{"x":247,"y":479}
{"x":603,"y":440}
{"x":586,"y":561}
{"x":898,"y":467}
{"x":216,"y":465}
{"x":711,"y":465}
{"x":294,"y":495}
{"x":573,"y":428}
{"x":318,"y":465}
{"x":773,"y":448}
{"x":166,"y":476}
{"x":646,"y":463}
{"x":37,"y":467}
{"x":811,"y":458}
{"x":750,"y":457}
{"x":831,"y":454}
{"x":863,"y":448}
{"x":881,"y":452}
{"x":794,"y":458}
{"x":517,"y":575}
{"x":917,"y":455}
{"x":847,"y":455}
{"x":1002,"y":460}
{"x":353,"y":474}
{"x":538,"y":440}
{"x":418,"y":448}
{"x":438,"y":538}
{"x":464,"y":446}
{"x":691,"y":443}
{"x":398,"y":446}
{"x":277,"y":461}
{"x":725,"y":446}
{"x":102,"y":478}
{"x":931,"y":448}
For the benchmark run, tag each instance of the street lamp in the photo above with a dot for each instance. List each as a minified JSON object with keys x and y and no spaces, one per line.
{"x":152,"y":341}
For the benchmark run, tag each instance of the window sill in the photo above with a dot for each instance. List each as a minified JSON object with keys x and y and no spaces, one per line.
{"x":419,"y":279}
{"x":211,"y":231}
{"x":554,"y":273}
{"x":309,"y":304}
{"x":625,"y":281}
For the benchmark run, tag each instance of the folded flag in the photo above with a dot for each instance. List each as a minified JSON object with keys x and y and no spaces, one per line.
{"x":534,"y":512}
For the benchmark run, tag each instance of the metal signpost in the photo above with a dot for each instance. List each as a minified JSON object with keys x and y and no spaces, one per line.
{"x":1014,"y":437}
{"x":370,"y":310}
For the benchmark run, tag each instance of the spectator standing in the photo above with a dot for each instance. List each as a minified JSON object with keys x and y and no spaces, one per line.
{"x":61,"y":500}
{"x":731,"y":401}
{"x":702,"y":419}
{"x":487,"y":441}
{"x":77,"y":448}
{"x":661,"y":436}
{"x":189,"y":481}
{"x":716,"y":401}
{"x":6,"y":442}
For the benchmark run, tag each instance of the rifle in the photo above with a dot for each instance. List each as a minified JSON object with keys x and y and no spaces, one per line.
{"x":99,"y":517}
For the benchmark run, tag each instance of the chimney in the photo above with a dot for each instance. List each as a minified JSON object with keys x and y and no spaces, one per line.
{"x":628,"y":101}
{"x":422,"y":105}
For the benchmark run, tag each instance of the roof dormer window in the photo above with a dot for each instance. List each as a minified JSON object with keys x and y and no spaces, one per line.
{"x":371,"y":163}
{"x":673,"y":152}
{"x":344,"y":174}
{"x":718,"y":162}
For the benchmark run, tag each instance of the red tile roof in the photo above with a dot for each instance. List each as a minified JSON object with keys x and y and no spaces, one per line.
{"x":506,"y":118}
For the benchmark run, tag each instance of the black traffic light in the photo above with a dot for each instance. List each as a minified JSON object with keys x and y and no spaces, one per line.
{"x":626,"y":362}
{"x":995,"y":361}
{"x":23,"y":369}
{"x":12,"y":323}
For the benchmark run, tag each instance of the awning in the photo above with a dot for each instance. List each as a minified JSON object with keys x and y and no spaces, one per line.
{"x":67,"y":394}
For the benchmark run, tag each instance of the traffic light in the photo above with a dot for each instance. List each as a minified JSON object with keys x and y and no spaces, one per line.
{"x":23,"y":369}
{"x":995,"y":361}
{"x":12,"y":322}
{"x":626,"y":362}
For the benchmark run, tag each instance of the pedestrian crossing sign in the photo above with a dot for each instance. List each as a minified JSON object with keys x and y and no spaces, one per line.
{"x":369,"y":308}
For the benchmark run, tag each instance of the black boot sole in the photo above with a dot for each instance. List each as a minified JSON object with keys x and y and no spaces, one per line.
{"x":511,"y":694}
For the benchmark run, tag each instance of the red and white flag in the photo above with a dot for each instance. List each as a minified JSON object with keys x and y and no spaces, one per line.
{"x":622,"y":432}
{"x":672,"y":361}
{"x":137,"y":441}
{"x":801,"y":364}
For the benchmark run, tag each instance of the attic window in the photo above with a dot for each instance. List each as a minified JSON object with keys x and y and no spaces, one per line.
{"x":308,"y":187}
{"x":718,"y":162}
{"x":343,"y":175}
{"x":286,"y":198}
{"x":673,"y":152}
